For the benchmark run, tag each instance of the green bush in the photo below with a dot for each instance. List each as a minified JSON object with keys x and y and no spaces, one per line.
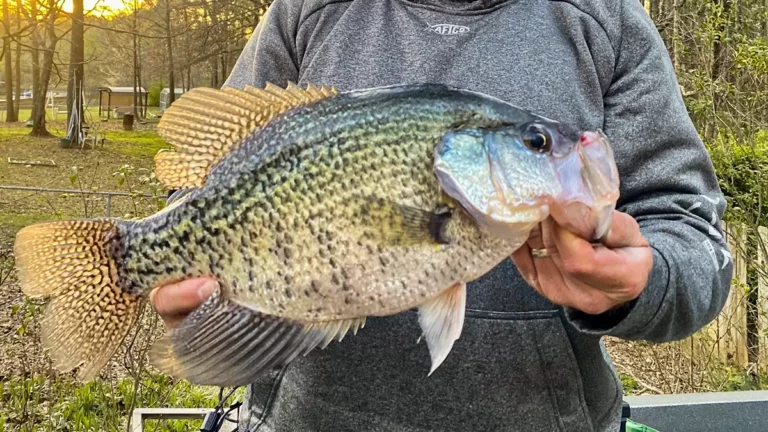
{"x":742,"y":170}
{"x":153,"y":97}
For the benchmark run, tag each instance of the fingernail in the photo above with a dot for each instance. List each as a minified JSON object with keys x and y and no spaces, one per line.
{"x":207,"y":289}
{"x":152,"y":295}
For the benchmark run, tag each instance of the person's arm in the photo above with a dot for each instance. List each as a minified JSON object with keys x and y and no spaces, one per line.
{"x":669,"y":187}
{"x":270,"y":54}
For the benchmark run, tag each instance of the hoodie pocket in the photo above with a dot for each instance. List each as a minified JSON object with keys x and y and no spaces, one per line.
{"x":542,"y":385}
{"x":508,"y":372}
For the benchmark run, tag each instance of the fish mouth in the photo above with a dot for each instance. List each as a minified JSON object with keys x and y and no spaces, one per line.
{"x":590,"y":180}
{"x":520,"y":214}
{"x":512,"y":220}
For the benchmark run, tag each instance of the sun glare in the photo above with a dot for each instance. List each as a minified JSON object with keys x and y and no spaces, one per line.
{"x":101,"y":7}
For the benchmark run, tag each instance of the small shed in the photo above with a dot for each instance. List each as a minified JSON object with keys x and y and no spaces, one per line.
{"x":165,"y":97}
{"x":118,"y":101}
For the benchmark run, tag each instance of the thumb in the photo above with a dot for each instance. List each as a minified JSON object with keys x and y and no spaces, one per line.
{"x":173,"y":302}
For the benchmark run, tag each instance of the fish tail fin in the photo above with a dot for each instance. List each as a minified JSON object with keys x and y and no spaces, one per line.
{"x":72,"y":264}
{"x":223,"y":343}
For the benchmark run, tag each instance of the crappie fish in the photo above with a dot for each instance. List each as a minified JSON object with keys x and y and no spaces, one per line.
{"x":314,"y":209}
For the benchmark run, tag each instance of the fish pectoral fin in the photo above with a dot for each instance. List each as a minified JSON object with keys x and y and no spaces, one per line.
{"x":441,"y":319}
{"x":393,"y":223}
{"x":337,"y":329}
{"x":223,"y":343}
{"x":205,"y":124}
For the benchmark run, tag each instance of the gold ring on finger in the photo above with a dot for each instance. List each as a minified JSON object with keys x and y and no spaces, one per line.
{"x":539,"y":253}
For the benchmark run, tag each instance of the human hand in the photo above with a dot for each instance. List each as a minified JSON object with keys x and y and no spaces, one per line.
{"x":576,"y":274}
{"x":175,"y":301}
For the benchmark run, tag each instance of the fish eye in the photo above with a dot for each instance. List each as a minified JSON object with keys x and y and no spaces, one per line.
{"x":537,"y":139}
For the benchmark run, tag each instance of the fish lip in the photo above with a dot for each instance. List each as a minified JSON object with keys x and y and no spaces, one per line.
{"x":539,"y":212}
{"x":590,"y":180}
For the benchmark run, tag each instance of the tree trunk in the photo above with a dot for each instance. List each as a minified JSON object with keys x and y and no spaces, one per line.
{"x":215,"y":73}
{"x":141,"y":105}
{"x":35,"y":54}
{"x":215,"y":83}
{"x":653,"y":10}
{"x":136,"y":95}
{"x":76,"y":60}
{"x":169,"y":41}
{"x":39,"y":98}
{"x":11,"y":115}
{"x":765,"y":21}
{"x":718,"y":56}
{"x":718,"y":59}
{"x":675,"y":34}
{"x":224,"y":68}
{"x":18,"y":63}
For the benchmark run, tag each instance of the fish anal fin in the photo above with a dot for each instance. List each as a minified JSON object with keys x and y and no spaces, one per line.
{"x":337,"y":329}
{"x":224,"y":343}
{"x":205,"y":124}
{"x":441,"y":319}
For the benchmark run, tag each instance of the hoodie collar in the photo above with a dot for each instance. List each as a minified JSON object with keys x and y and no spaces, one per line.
{"x":461,"y":5}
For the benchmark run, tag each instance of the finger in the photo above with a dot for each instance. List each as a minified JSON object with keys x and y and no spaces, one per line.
{"x":173,"y":302}
{"x":600,"y":267}
{"x":524,"y":263}
{"x":535,"y":240}
{"x":549,"y":278}
{"x":624,"y":231}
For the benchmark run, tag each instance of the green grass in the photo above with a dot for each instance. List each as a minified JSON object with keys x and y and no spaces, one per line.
{"x":60,"y":403}
{"x":630,"y":384}
{"x":91,"y":114}
{"x":16,"y":220}
{"x":13,"y":132}
{"x":135,"y":143}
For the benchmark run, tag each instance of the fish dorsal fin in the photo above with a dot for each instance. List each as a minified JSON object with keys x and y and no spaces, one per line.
{"x":205,"y":124}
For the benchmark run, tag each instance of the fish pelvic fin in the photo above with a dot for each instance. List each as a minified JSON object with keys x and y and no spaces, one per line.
{"x":441,"y":319}
{"x":88,"y":315}
{"x":205,"y":124}
{"x":224,"y":343}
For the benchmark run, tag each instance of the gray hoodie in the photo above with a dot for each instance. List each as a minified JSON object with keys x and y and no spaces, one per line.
{"x":522,"y":363}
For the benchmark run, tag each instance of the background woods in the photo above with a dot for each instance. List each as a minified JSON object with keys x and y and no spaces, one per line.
{"x":55,"y":55}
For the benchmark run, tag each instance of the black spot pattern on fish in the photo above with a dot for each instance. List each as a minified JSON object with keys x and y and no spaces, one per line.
{"x":258,"y":206}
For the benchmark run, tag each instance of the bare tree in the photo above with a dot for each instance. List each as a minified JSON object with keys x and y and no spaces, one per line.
{"x":169,"y":41}
{"x":76,"y":68}
{"x":136,"y":66}
{"x":11,"y":114}
{"x":44,"y":40}
{"x":18,"y":62}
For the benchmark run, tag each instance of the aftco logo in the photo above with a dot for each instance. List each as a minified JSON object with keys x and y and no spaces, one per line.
{"x":448,"y":29}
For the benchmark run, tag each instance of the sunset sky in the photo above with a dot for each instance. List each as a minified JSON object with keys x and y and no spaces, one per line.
{"x":114,"y":5}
